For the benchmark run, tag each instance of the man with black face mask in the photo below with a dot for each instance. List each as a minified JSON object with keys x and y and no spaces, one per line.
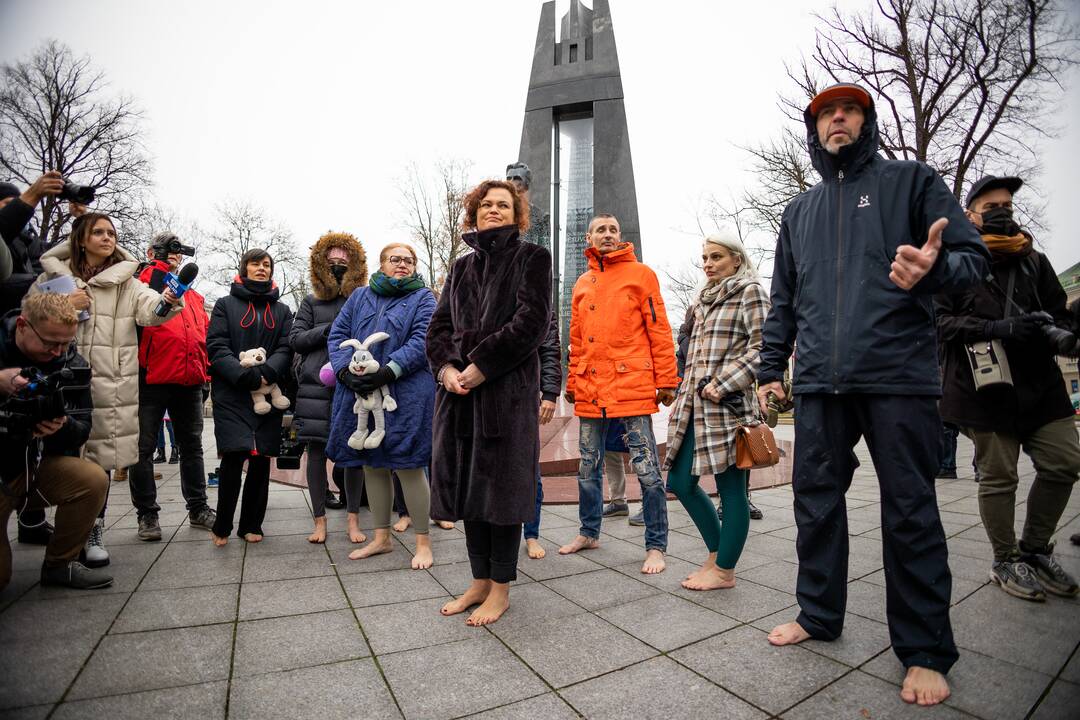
{"x":1014,"y":305}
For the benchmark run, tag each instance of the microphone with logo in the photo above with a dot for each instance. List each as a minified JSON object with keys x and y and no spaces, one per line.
{"x":178,"y":284}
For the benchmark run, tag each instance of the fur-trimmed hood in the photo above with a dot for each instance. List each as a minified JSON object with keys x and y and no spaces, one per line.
{"x":323,"y":284}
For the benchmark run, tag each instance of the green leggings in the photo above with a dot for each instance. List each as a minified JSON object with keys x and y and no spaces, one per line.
{"x":725,"y":540}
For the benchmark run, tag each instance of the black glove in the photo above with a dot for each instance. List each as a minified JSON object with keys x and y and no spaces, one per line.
{"x":346,"y":378}
{"x":1023,"y":328}
{"x":253,"y":378}
{"x":372,"y":381}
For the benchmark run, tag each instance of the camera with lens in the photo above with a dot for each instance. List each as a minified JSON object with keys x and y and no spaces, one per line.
{"x":1062,"y":342}
{"x":81,"y":194}
{"x":172,"y":246}
{"x":42,"y":398}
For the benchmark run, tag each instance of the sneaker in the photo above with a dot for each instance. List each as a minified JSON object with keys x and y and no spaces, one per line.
{"x":637,"y":519}
{"x":149,"y":527}
{"x":37,"y":535}
{"x":1051,"y":575}
{"x":212,"y":479}
{"x":946,"y":474}
{"x":75,"y":575}
{"x":202,"y":518}
{"x":95,"y":555}
{"x":755,"y":513}
{"x":1018,"y":580}
{"x":614,"y":509}
{"x":159,"y":456}
{"x":174,"y":457}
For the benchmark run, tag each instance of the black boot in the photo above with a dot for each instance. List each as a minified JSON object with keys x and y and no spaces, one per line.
{"x":174,"y":458}
{"x":159,"y":456}
{"x":332,"y":500}
{"x":755,"y":513}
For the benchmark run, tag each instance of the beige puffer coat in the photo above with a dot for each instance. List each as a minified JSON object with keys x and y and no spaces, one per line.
{"x":108,"y":341}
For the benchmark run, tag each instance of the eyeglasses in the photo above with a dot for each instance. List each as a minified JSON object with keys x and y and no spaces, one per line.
{"x":401,"y":260}
{"x":49,"y":344}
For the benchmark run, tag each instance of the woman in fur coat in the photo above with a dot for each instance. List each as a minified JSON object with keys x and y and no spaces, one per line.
{"x":338,"y":266}
{"x":482,"y":344}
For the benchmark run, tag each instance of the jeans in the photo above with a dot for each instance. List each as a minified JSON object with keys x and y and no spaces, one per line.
{"x":644,"y":460}
{"x":185,"y":406}
{"x":161,"y":435}
{"x":532,"y":529}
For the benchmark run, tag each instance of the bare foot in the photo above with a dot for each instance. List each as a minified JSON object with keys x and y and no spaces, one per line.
{"x":355,"y":535}
{"x":445,"y":524}
{"x":579,"y":543}
{"x":924,"y":686}
{"x":375,"y":547}
{"x":493,"y":607}
{"x":535,"y":549}
{"x":253,"y":537}
{"x":476,"y":594}
{"x":402,"y":524}
{"x":713,"y":578}
{"x":791,"y":633}
{"x":319,"y":535}
{"x":219,"y":541}
{"x":654,"y":563}
{"x":422,"y":559}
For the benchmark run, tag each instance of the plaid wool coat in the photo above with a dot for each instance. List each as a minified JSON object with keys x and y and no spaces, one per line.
{"x":724,"y":345}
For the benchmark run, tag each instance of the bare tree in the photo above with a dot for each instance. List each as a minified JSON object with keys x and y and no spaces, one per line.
{"x":56,"y":114}
{"x":963,"y":85}
{"x":148,"y":219}
{"x":433,"y":203}
{"x":782,"y":169}
{"x":243,"y":226}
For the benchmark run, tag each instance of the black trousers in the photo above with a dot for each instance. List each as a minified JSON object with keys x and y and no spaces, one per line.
{"x":185,"y":407}
{"x":903,"y":434}
{"x":493,"y":550}
{"x":256,"y":490}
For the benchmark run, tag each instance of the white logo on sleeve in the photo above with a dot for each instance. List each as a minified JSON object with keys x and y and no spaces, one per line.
{"x":864,"y":201}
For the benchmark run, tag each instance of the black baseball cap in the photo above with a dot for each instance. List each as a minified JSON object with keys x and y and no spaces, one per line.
{"x":992,"y":182}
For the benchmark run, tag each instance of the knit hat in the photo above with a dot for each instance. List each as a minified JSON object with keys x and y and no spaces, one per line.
{"x":8,"y":190}
{"x":337,"y":253}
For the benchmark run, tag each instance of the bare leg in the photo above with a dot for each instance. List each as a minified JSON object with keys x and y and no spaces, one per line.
{"x":422,"y":560}
{"x":319,"y":535}
{"x":579,"y":543}
{"x":534,"y":548}
{"x":355,"y":536}
{"x":494,"y":605}
{"x":654,"y":562}
{"x":476,"y":594}
{"x":791,"y":633}
{"x":380,"y":545}
{"x":924,"y":686}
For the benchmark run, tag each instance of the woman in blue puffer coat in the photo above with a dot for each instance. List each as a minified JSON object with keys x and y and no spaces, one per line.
{"x":395,"y":302}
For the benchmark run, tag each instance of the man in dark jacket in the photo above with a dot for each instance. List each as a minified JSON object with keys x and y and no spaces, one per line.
{"x":21,"y":242}
{"x":42,"y":465}
{"x":172,"y":373}
{"x":1032,"y":413}
{"x":858,"y":259}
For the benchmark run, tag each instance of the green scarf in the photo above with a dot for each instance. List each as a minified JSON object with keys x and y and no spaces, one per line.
{"x":382,"y":284}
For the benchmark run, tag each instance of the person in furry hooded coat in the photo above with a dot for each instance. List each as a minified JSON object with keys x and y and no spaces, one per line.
{"x":338,"y":267}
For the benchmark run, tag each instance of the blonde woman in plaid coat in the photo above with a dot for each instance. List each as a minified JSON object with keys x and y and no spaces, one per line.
{"x":716,"y":395}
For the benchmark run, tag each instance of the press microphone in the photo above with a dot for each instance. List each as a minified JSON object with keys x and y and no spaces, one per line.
{"x":179,"y":285}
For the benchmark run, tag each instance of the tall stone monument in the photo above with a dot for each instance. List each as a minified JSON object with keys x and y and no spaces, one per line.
{"x":576,"y":98}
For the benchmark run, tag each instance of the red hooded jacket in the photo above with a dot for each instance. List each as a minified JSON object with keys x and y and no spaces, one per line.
{"x":175,"y":353}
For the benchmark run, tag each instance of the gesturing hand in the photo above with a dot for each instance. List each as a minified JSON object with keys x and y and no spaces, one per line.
{"x":911,"y":263}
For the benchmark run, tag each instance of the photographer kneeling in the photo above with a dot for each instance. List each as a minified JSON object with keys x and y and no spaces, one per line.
{"x":44,"y":421}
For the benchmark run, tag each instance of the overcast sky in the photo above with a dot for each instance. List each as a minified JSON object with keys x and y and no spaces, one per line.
{"x":314,"y":109}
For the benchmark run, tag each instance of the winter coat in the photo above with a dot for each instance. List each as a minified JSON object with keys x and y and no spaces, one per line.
{"x":310,"y":330}
{"x":71,"y":436}
{"x":109,"y":342}
{"x":494,"y":311}
{"x":24,"y":247}
{"x":1038,"y":394}
{"x":243,"y":320}
{"x":724,"y":345}
{"x":857,"y":332}
{"x":621,"y":350}
{"x":408,"y":429}
{"x":551,"y":363}
{"x":175,"y":353}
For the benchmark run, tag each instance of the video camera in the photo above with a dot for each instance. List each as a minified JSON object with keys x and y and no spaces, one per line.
{"x":163,"y":250}
{"x":81,"y":194}
{"x":42,"y":398}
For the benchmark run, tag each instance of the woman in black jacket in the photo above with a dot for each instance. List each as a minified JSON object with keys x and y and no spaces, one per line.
{"x":338,"y":266}
{"x":249,"y":317}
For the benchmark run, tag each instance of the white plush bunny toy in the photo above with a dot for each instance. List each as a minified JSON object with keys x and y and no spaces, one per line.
{"x":374,"y":402}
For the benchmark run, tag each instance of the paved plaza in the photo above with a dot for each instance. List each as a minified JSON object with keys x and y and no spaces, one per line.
{"x":286,"y":629}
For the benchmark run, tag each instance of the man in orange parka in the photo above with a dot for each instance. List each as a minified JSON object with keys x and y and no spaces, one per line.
{"x":622,"y":365}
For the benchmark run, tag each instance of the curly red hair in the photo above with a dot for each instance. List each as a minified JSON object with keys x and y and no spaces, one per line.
{"x":472,"y":204}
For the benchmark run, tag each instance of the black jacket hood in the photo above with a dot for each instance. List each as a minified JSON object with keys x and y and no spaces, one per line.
{"x":851,"y":158}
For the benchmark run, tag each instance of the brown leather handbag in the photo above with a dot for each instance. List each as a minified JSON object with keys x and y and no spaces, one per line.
{"x":755,"y":447}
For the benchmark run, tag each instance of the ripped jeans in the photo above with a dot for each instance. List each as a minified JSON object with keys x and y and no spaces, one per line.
{"x":644,"y":460}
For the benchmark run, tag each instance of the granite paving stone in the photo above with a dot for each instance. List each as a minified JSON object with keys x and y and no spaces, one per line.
{"x":1060,"y":704}
{"x":738,"y":660}
{"x":286,"y":643}
{"x":456,"y":578}
{"x":290,"y":597}
{"x":33,"y":673}
{"x":410,"y":625}
{"x":554,"y":565}
{"x":747,"y":601}
{"x":534,"y":603}
{"x":259,"y":567}
{"x":83,"y":615}
{"x":156,"y":659}
{"x":666,"y":622}
{"x":205,"y":701}
{"x":392,"y":586}
{"x":862,"y":639}
{"x":548,"y":706}
{"x":180,"y":607}
{"x":862,"y":697}
{"x":194,"y":573}
{"x":428,"y":682}
{"x":569,"y":650}
{"x":600,"y":589}
{"x":349,"y":691}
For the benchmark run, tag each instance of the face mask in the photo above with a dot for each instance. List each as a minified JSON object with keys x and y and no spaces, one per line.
{"x":999,"y":221}
{"x":338,"y":271}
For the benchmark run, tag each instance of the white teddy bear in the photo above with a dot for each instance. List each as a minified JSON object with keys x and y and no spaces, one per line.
{"x":251,"y":358}
{"x":374,"y":402}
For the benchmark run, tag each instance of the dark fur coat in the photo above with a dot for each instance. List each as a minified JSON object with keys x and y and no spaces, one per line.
{"x":494,"y":312}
